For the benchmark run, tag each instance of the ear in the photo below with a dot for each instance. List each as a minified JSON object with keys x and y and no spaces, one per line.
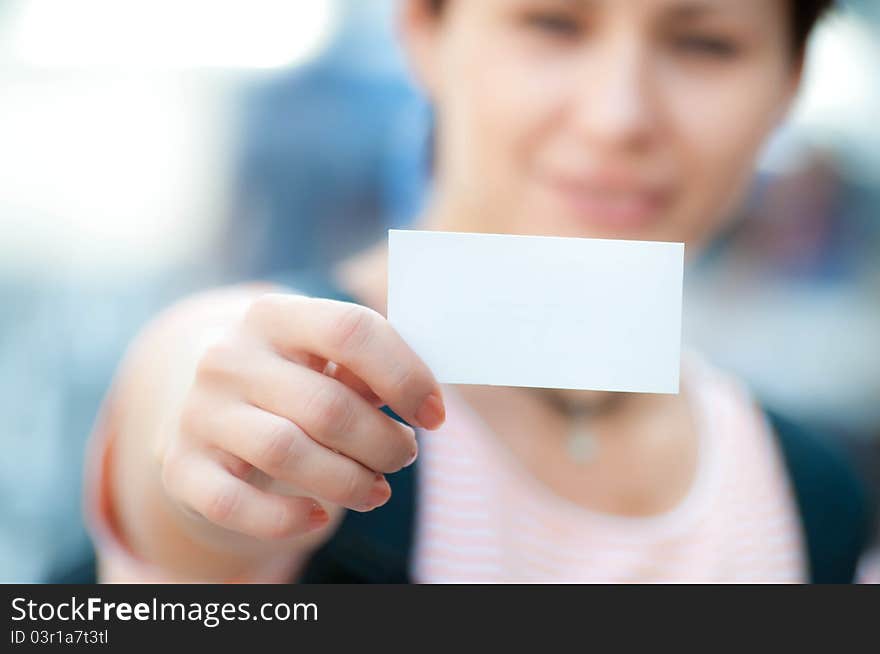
{"x":419,"y":29}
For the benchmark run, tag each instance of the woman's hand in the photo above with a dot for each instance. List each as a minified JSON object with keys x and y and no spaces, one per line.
{"x":271,"y":434}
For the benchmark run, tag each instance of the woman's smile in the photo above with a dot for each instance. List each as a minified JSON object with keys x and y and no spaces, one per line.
{"x":603,"y":205}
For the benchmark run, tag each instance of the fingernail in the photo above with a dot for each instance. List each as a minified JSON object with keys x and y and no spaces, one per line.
{"x":379,"y":494}
{"x":318,"y":516}
{"x":432,"y":413}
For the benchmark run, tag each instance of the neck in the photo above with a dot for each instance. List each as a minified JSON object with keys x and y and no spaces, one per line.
{"x":585,"y":405}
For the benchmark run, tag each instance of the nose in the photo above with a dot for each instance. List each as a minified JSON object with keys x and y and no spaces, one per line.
{"x":612,"y":105}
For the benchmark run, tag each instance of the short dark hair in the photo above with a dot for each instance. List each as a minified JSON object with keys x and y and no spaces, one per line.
{"x":804,"y":16}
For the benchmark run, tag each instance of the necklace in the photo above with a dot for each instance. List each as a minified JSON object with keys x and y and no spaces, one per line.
{"x":581,"y":441}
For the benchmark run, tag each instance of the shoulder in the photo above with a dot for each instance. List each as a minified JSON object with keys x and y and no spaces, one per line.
{"x":832,"y":502}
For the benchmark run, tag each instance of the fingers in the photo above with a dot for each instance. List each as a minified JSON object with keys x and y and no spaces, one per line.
{"x":328,"y":411}
{"x":291,"y":394}
{"x":354,"y":382}
{"x":204,"y":486}
{"x":283,"y":451}
{"x":363,"y":342}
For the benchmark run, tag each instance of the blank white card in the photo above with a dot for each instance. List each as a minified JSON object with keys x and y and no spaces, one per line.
{"x":539,"y":311}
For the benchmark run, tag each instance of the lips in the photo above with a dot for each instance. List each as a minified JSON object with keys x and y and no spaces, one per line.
{"x":610,"y":205}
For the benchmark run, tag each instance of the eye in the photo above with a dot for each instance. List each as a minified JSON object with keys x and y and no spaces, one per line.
{"x":707,"y":46}
{"x":554,"y":24}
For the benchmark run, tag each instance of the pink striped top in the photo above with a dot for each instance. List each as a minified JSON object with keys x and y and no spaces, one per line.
{"x":483,"y":518}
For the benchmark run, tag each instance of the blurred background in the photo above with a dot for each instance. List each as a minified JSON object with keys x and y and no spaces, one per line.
{"x":149,"y":149}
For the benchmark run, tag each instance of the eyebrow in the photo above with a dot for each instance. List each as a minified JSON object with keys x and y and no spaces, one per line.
{"x":695,"y":9}
{"x":685,"y":8}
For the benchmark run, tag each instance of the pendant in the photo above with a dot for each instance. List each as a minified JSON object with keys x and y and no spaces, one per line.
{"x":582,"y":445}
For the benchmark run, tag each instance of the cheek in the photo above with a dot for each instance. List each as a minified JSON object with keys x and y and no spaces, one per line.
{"x":494,"y":116}
{"x":719,"y":130}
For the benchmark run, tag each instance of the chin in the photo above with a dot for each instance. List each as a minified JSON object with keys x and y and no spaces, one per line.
{"x":567,"y":214}
{"x":577,"y":226}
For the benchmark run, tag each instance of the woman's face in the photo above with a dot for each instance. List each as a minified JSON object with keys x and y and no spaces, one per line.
{"x":606,"y":118}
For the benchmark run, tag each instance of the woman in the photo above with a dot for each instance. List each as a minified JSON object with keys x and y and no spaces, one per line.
{"x":245,"y":425}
